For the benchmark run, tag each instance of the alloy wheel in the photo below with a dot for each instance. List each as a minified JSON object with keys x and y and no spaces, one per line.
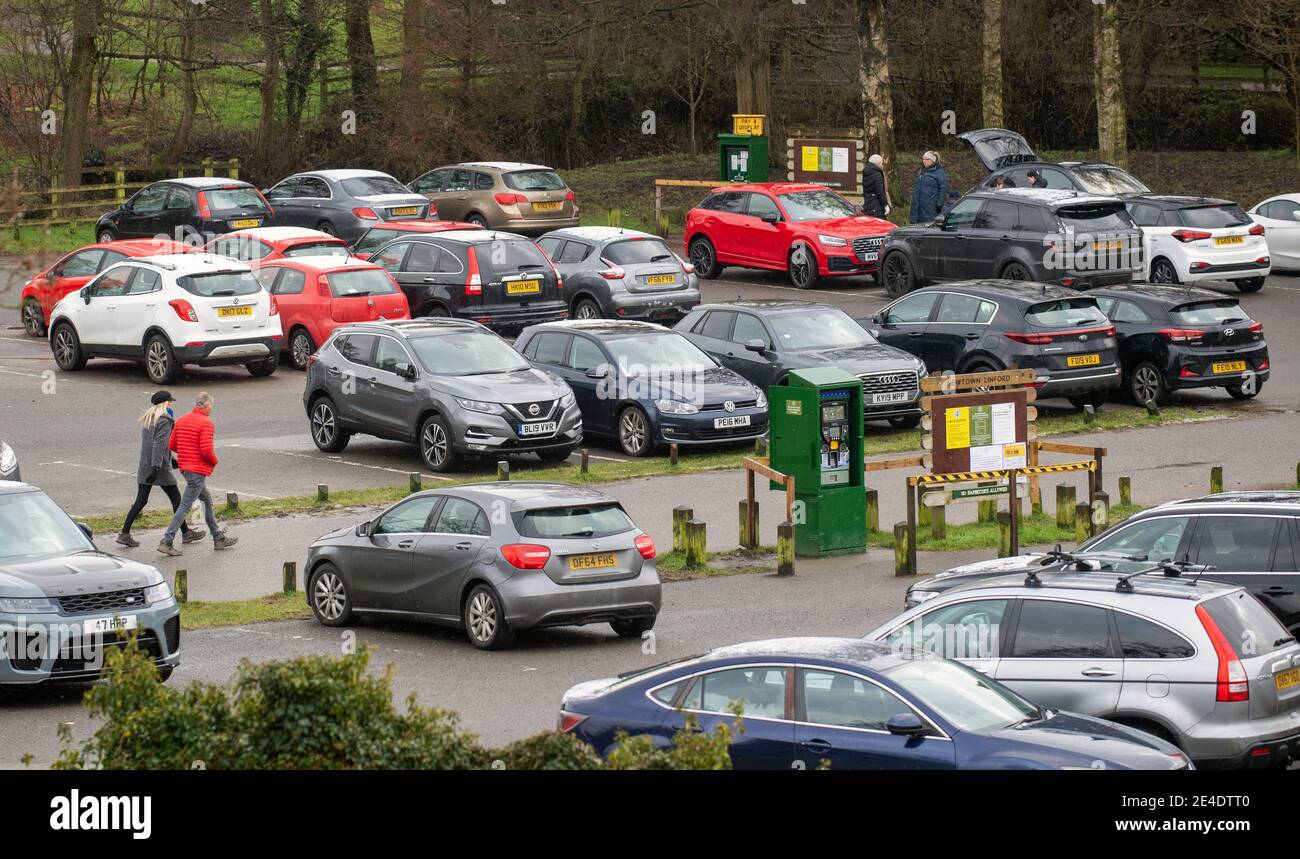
{"x":1016,"y":272}
{"x":702,"y":256}
{"x":322,"y":424}
{"x":632,"y":432}
{"x":159,"y":361}
{"x":33,"y":323}
{"x":433,"y":444}
{"x":301,"y":349}
{"x":1146,"y":384}
{"x":897,"y":275}
{"x":586,"y":310}
{"x":483,"y":616}
{"x":801,"y":267}
{"x":330,"y":596}
{"x":65,"y":347}
{"x":1163,"y":272}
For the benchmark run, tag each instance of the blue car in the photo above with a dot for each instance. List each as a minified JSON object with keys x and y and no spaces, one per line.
{"x":854,"y":705}
{"x":646,"y":385}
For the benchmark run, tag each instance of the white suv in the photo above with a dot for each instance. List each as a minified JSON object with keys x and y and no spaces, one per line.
{"x":169,"y":310}
{"x":1187,"y":239}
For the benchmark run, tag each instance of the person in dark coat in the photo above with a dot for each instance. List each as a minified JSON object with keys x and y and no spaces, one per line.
{"x":930,"y":190}
{"x":875,"y":188}
{"x":155,"y":468}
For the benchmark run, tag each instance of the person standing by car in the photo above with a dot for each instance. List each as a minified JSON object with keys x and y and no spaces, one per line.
{"x":191,"y":441}
{"x":930,"y":190}
{"x":155,"y":468}
{"x":875,"y":188}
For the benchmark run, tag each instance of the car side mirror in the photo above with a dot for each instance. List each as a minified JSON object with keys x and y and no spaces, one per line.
{"x":1295,"y":213}
{"x":85,"y":294}
{"x":600,"y":371}
{"x":363,"y":530}
{"x":906,"y":725}
{"x":405,"y":370}
{"x":756,"y":345}
{"x":771,"y":217}
{"x":85,"y":529}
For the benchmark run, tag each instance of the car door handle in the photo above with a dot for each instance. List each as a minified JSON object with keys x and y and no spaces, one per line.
{"x":817,"y":746}
{"x":915,"y":333}
{"x":315,"y":205}
{"x":1097,"y":672}
{"x":406,"y":544}
{"x":430,"y":280}
{"x":1276,"y":591}
{"x":971,"y":336}
{"x":465,"y":545}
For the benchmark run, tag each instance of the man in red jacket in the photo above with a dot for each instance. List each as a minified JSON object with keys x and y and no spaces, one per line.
{"x":196,"y":457}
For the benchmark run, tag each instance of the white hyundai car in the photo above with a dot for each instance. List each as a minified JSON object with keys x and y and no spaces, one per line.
{"x":1280,"y":218}
{"x":167,"y":311}
{"x":1189,"y":239}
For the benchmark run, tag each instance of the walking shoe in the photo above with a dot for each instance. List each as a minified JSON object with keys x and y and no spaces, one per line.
{"x":125,"y":539}
{"x":193,"y":535}
{"x":221,"y":541}
{"x":169,"y":550}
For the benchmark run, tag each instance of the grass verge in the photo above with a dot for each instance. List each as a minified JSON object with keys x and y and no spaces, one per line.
{"x":206,"y":615}
{"x":57,"y":239}
{"x":1036,"y":530}
{"x":733,"y":562}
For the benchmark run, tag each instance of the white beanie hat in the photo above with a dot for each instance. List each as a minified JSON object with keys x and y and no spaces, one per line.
{"x":932,"y":155}
{"x":877,"y":160}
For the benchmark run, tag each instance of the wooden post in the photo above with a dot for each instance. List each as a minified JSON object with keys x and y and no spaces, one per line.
{"x":760,"y":449}
{"x":900,"y":549}
{"x":1064,"y":506}
{"x":911,"y":526}
{"x":672,"y":454}
{"x":938,"y":523}
{"x":785,"y":549}
{"x":290,"y":577}
{"x":234,"y":168}
{"x":1216,"y":479}
{"x":182,"y":588}
{"x":1100,"y":513}
{"x":748,"y":524}
{"x":697,"y":548}
{"x":232,"y":501}
{"x":415,"y":481}
{"x":207,"y":166}
{"x":322,"y":492}
{"x":1082,"y":522}
{"x":873,"y":511}
{"x":681,"y":515}
{"x":659,"y":207}
{"x":1089,"y":415}
{"x":1125,"y":490}
{"x":988,"y":510}
{"x":922,"y":512}
{"x":1297,"y":474}
{"x":503,"y":469}
{"x":1013,"y":515}
{"x":1035,"y":486}
{"x":1152,"y":409}
{"x":119,"y":179}
{"x":1004,"y":534}
{"x":585,"y":461}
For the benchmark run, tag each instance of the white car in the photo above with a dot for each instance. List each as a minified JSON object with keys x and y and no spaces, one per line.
{"x":1280,"y":218}
{"x":169,"y":310}
{"x":1189,"y":239}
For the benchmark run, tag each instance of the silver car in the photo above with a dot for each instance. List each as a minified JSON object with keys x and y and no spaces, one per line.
{"x":493,"y":558}
{"x":1202,"y":664}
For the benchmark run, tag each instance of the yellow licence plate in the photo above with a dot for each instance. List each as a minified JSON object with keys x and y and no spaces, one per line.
{"x":1286,"y":679}
{"x":592,"y":562}
{"x":656,"y":279}
{"x":1228,"y":367}
{"x":226,"y":312}
{"x":523,"y":287}
{"x":406,"y":210}
{"x":546,"y":207}
{"x":1230,"y":240}
{"x":245,"y":223}
{"x":1082,"y":360}
{"x":1107,"y":246}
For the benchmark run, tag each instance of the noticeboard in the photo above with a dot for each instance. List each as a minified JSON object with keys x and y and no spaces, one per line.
{"x":979,"y":431}
{"x":748,"y":123}
{"x":835,"y":163}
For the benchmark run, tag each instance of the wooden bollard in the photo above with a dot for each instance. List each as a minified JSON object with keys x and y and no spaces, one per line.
{"x":585,"y":462}
{"x":939,"y":523}
{"x":1297,"y":474}
{"x":760,"y":449}
{"x":922,"y":513}
{"x":415,"y":481}
{"x":988,"y":510}
{"x":1216,"y":479}
{"x":1152,"y":409}
{"x":1089,"y":415}
{"x":1125,"y":491}
{"x":503,"y":469}
{"x":182,"y":588}
{"x":748,"y":528}
{"x":1004,"y":534}
{"x":900,"y":550}
{"x":290,"y":577}
{"x":697,"y":545}
{"x":672,"y":454}
{"x":1082,"y":522}
{"x":873,"y":511}
{"x":1064,"y":506}
{"x":1100,"y":513}
{"x":681,"y":515}
{"x":785,"y":549}
{"x":232,"y":501}
{"x":322,"y":492}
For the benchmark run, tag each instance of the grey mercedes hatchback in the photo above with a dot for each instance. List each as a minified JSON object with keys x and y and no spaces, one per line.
{"x":493,"y":558}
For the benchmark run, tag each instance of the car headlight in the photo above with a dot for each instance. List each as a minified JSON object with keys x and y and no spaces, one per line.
{"x":762,"y":400}
{"x":674,"y":407}
{"x":479,"y":406}
{"x":28,"y":605}
{"x":567,"y":400}
{"x":160,"y":592}
{"x":832,"y":241}
{"x":8,"y":459}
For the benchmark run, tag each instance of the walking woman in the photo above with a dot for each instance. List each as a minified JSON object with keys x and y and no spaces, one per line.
{"x":155,"y":467}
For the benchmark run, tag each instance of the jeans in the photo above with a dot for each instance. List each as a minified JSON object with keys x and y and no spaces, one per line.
{"x":196,"y":489}
{"x":142,"y":497}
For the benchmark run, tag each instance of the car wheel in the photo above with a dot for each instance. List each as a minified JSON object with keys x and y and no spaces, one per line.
{"x":634,"y":432}
{"x":1146,"y":384}
{"x":485,"y":620}
{"x":633,"y":628}
{"x":67,"y":348}
{"x":897,"y":275}
{"x":301,"y":347}
{"x":555,"y":454}
{"x":106,"y":235}
{"x":905,"y":422}
{"x":330,"y":600}
{"x":1250,"y":284}
{"x":327,"y":228}
{"x":1015,"y":271}
{"x":802,"y":267}
{"x":1092,"y":398}
{"x":704,"y":258}
{"x":478,"y":220}
{"x":33,"y":318}
{"x":436,"y":311}
{"x":436,"y":446}
{"x":325,"y":429}
{"x":1162,"y":271}
{"x":1239,"y":392}
{"x":165,"y":673}
{"x":585,"y":308}
{"x":266,"y":367}
{"x":160,"y":361}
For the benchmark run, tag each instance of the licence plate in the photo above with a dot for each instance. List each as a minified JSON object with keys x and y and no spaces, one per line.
{"x":523,"y":287}
{"x":1082,"y":360}
{"x":659,"y":279}
{"x":593,"y":562}
{"x":1228,"y":367}
{"x":245,"y":223}
{"x":101,"y":625}
{"x":405,"y":211}
{"x":1286,"y":679}
{"x":547,"y":428}
{"x":1107,"y":246}
{"x":873,"y":256}
{"x":729,"y":422}
{"x":546,"y":207}
{"x":227,"y":312}
{"x":890,"y":397}
{"x":1230,"y":240}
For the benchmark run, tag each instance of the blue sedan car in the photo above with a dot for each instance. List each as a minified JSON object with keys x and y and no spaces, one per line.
{"x":646,"y":385}
{"x":855,"y":705}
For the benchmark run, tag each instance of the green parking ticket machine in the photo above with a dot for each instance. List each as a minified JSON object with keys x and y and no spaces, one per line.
{"x":743,"y":157}
{"x":816,"y":429}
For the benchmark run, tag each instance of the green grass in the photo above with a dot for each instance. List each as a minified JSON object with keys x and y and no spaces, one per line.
{"x":206,"y":615}
{"x":52,"y":240}
{"x":733,"y":562}
{"x":1038,"y":529}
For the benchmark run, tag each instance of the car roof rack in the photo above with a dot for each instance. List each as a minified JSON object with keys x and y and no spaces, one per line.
{"x":1171,"y":570}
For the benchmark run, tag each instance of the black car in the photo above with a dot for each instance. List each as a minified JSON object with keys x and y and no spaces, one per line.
{"x":1173,"y":337}
{"x":502,"y":280}
{"x":646,"y":385}
{"x":1250,"y":539}
{"x":981,"y":326}
{"x":196,"y":209}
{"x":624,"y":274}
{"x":763,"y":340}
{"x":1046,"y":236}
{"x":1010,"y":161}
{"x":344,"y":203}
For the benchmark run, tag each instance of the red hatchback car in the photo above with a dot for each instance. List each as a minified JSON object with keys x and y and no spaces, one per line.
{"x":376,"y":237}
{"x":78,"y":268}
{"x":264,"y":244}
{"x":318,"y":294}
{"x":806,"y":230}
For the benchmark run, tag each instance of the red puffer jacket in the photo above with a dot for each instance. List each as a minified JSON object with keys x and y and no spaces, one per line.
{"x":192,"y":442}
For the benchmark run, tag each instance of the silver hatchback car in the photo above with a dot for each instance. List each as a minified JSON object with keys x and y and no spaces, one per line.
{"x":1202,"y":664}
{"x":494,"y":558}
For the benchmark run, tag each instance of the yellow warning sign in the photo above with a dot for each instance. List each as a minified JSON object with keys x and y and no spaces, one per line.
{"x":957,"y":427}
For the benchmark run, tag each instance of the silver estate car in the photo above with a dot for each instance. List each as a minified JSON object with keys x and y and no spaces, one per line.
{"x":493,"y":558}
{"x":1202,"y":664}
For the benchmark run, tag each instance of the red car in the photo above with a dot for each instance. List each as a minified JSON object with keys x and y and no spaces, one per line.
{"x":806,"y":230}
{"x":78,"y":268}
{"x":264,"y":244}
{"x":376,"y":237}
{"x":317,"y":294}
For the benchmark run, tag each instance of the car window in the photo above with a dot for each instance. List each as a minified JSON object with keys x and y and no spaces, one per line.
{"x":1282,"y":210}
{"x":592,"y":521}
{"x":549,"y":347}
{"x":374,"y":238}
{"x":234,"y":198}
{"x":391,"y":256}
{"x":145,"y":280}
{"x":388,"y":354}
{"x":550,"y":246}
{"x":111,"y":258}
{"x":266,"y":277}
{"x":534,"y":180}
{"x":32,"y":527}
{"x":821,"y":328}
{"x":81,"y":264}
{"x":1050,"y":178}
{"x":409,"y":517}
{"x":1247,"y":626}
{"x":760,"y":692}
{"x":428,"y":183}
{"x":373,"y":186}
{"x":285,"y":190}
{"x":962,"y":216}
{"x":732,"y":202}
{"x":817,"y":205}
{"x":321,"y":248}
{"x":461,"y":180}
{"x":997,"y":215}
{"x":632,"y":251}
{"x":1216,"y":312}
{"x":358,"y":348}
{"x":1235,"y":543}
{"x":668,"y":694}
{"x":1097,"y":218}
{"x":503,"y":257}
{"x":1144,"y":215}
{"x":1105,"y":179}
{"x":717,"y":325}
{"x":914,"y":308}
{"x":150,"y":200}
{"x":1284,"y":560}
{"x":178,"y":199}
{"x":964,"y":308}
{"x":585,"y":355}
{"x":962,"y":630}
{"x":113,"y":282}
{"x":1065,"y":313}
{"x":761,"y":204}
{"x":1127,"y":311}
{"x":292,"y":283}
{"x":574,"y":252}
{"x":220,"y":284}
{"x":960,"y":694}
{"x":833,"y":698}
{"x":423,"y":257}
{"x":748,"y":327}
{"x":1154,"y":539}
{"x":1049,"y":629}
{"x":1142,"y":639}
{"x":360,"y":282}
{"x":1215,"y":217}
{"x":1034,"y":219}
{"x":459,"y":516}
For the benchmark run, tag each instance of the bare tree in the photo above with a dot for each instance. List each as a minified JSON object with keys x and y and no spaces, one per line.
{"x":992,"y":82}
{"x":1112,"y":136}
{"x":1269,"y":30}
{"x":361,"y":56}
{"x":877,"y":97}
{"x":78,"y":80}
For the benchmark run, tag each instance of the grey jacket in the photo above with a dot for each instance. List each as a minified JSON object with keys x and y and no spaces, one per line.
{"x":154,"y":452}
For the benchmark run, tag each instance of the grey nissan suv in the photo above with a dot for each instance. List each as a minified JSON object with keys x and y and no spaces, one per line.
{"x":449,"y":386}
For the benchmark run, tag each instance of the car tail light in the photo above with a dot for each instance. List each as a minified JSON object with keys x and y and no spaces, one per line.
{"x":275,"y":308}
{"x":614,"y":272}
{"x":205,"y":211}
{"x":1198,"y":265}
{"x":365,"y":212}
{"x":568,"y":721}
{"x":526,"y":556}
{"x":510,"y":199}
{"x":1255,"y":328}
{"x":1256,"y":230}
{"x":1262,"y":261}
{"x":1232,"y":683}
{"x":646,"y":546}
{"x":1190,"y":235}
{"x":1263,"y":365}
{"x":1026,"y":337}
{"x":1181,"y":335}
{"x":323,"y":287}
{"x":432,"y":212}
{"x":184,"y":310}
{"x":1041,"y":339}
{"x":1186,"y":373}
{"x":473,"y":282}
{"x":569,"y":197}
{"x":269,"y":211}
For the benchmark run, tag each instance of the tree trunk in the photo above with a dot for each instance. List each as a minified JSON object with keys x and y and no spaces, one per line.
{"x":78,"y":81}
{"x":877,"y":98}
{"x":1112,"y":138}
{"x":414,"y":49}
{"x":189,"y":95}
{"x":270,"y":85}
{"x":992,"y":84}
{"x":361,"y":57}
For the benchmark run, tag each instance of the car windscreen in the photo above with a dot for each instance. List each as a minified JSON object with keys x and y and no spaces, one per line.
{"x":534,"y":180}
{"x":219,"y":284}
{"x":961,"y":695}
{"x":1065,"y":313}
{"x":373,"y":186}
{"x":1109,"y":218}
{"x":509,"y":257}
{"x":595,"y":521}
{"x":1097,"y":179}
{"x":666,"y":353}
{"x":1217,"y":312}
{"x":1215,"y":217}
{"x":1249,"y":628}
{"x":234,"y":198}
{"x":366,"y":281}
{"x":828,"y":328}
{"x":633,"y":251}
{"x":816,"y":205}
{"x":318,"y":249}
{"x":472,"y":353}
{"x":34,"y":527}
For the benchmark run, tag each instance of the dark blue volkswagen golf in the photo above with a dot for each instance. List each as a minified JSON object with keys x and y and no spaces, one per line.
{"x":645,"y":385}
{"x":855,"y":705}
